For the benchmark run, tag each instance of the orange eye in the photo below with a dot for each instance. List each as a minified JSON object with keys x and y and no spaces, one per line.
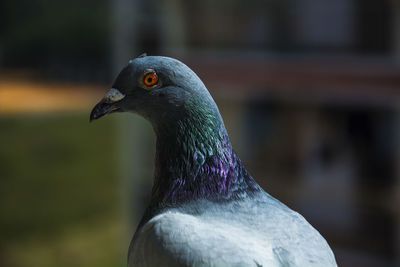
{"x":150,"y":79}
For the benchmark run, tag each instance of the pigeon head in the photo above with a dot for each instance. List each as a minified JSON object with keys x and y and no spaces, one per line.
{"x":161,"y":89}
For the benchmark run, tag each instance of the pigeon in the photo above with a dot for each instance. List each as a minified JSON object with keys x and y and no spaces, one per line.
{"x":205,"y":207}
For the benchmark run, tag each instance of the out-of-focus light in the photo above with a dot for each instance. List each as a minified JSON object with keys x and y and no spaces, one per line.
{"x":18,"y":96}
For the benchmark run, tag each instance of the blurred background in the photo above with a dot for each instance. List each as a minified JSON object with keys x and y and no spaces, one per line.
{"x":309,"y":91}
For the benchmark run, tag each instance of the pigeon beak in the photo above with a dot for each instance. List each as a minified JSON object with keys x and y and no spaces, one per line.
{"x":107,"y":105}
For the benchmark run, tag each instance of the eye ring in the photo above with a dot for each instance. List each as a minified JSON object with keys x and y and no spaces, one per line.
{"x":150,"y":79}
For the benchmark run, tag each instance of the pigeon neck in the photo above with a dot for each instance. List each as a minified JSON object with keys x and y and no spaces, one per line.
{"x":194,"y":159}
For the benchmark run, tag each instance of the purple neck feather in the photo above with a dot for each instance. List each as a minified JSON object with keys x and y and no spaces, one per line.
{"x":194,"y":159}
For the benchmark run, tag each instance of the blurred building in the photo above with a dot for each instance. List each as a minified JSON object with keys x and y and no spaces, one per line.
{"x":309,"y":90}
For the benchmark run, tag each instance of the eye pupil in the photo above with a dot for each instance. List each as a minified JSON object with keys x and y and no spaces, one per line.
{"x":149,"y":80}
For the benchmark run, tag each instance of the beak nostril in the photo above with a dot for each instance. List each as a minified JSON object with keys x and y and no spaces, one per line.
{"x":113,"y":95}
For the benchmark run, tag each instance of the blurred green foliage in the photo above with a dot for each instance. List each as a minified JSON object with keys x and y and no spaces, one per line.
{"x":59,"y":191}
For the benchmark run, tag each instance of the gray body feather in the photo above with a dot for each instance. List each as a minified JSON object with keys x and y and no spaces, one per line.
{"x":251,"y":232}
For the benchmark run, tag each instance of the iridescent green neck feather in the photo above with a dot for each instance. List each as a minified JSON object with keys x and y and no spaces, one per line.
{"x":194,"y":158}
